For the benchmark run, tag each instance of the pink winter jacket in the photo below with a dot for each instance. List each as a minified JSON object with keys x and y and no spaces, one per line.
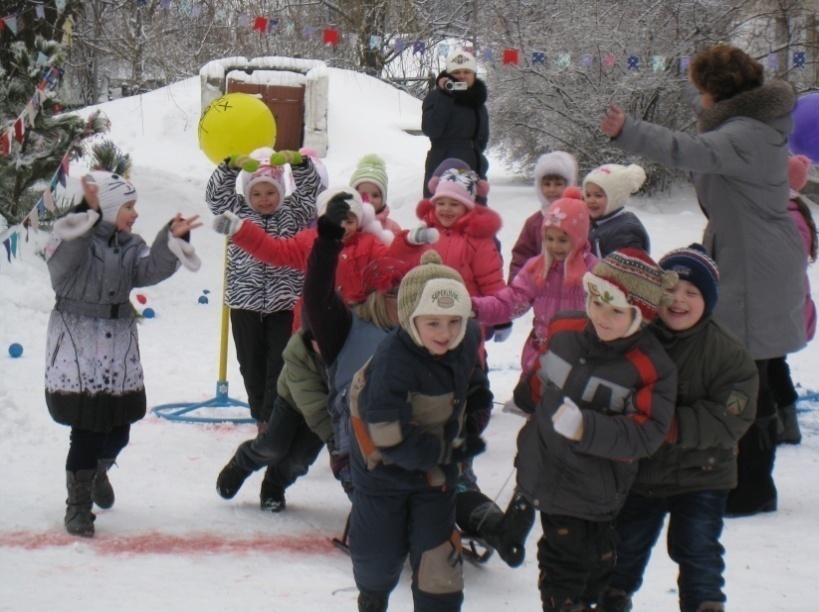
{"x":467,"y":246}
{"x":383,"y":217}
{"x":804,"y":232}
{"x":529,"y":244}
{"x":548,"y":296}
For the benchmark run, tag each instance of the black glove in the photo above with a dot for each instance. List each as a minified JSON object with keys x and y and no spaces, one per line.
{"x":338,"y":210}
{"x":466,"y":448}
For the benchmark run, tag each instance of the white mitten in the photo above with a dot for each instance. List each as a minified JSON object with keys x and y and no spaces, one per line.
{"x":184,"y":252}
{"x":227,"y":223}
{"x":74,"y":225}
{"x":568,"y":420}
{"x":423,"y":235}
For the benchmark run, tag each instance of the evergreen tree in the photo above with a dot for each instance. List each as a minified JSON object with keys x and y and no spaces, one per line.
{"x":53,"y":133}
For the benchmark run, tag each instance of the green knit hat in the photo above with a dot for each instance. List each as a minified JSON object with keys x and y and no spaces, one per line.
{"x":371,"y":169}
{"x":432,"y":288}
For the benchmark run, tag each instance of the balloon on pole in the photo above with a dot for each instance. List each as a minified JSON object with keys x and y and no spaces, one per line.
{"x":235,"y":123}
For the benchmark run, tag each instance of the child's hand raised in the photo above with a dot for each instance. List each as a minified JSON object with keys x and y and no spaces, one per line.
{"x":91,"y":192}
{"x":294,"y":158}
{"x":240,"y":161}
{"x":180,"y":226}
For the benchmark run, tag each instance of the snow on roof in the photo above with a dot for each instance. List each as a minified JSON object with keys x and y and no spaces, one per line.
{"x":312,"y":69}
{"x":275,"y":77}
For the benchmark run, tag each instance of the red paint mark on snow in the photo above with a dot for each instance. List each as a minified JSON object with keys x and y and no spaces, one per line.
{"x":164,"y":544}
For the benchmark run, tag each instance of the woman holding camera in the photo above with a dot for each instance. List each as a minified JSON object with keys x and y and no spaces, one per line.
{"x":455,"y":117}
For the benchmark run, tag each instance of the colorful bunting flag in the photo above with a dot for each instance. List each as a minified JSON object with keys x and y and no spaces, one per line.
{"x":538,"y":57}
{"x":609,"y":61}
{"x":5,"y":143}
{"x":772,"y":61}
{"x":586,"y":61}
{"x":40,"y":11}
{"x":799,"y":59}
{"x":243,"y":21}
{"x":309,"y":31}
{"x":48,"y":200}
{"x":166,"y":4}
{"x":60,"y":4}
{"x":375,"y":42}
{"x":633,"y":62}
{"x":68,"y":31}
{"x":685,"y":62}
{"x":564,"y":60}
{"x":19,"y":130}
{"x":330,"y":38}
{"x":398,"y":45}
{"x":196,"y":11}
{"x":260,"y":24}
{"x":487,"y":56}
{"x":419,"y":46}
{"x":272,"y":24}
{"x":658,"y":63}
{"x":11,"y":23}
{"x":443,"y":49}
{"x":510,"y":57}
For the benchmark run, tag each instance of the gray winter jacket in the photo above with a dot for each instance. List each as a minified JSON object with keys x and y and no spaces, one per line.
{"x":739,"y":163}
{"x":93,"y":372}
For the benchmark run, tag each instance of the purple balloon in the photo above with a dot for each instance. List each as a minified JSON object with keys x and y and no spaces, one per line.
{"x":804,"y":140}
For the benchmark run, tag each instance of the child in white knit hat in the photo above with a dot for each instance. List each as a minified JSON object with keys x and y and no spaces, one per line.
{"x":93,"y":375}
{"x":553,"y":173}
{"x":606,"y":190}
{"x":409,"y":410}
{"x":370,"y":180}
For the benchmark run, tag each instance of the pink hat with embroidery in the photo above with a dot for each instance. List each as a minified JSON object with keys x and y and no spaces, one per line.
{"x":460,"y":185}
{"x":569,"y":214}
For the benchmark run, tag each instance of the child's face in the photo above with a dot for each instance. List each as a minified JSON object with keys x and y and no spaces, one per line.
{"x":552,"y":187}
{"x":610,"y":322}
{"x":126,"y":216}
{"x":686,"y":308}
{"x":371,"y":191}
{"x":448,"y":211}
{"x":595,"y":199}
{"x":438,"y":332}
{"x":350,"y":226}
{"x":557,"y":242}
{"x":264,"y":198}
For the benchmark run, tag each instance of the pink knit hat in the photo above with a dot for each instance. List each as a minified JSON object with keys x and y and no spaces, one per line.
{"x":570,"y":215}
{"x":265,"y":174}
{"x":460,"y":185}
{"x":798,"y":170}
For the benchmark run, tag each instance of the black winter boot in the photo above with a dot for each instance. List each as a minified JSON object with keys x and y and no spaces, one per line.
{"x":711,"y":606}
{"x":368,"y":603}
{"x":790,"y":426}
{"x":79,"y":520}
{"x":271,"y":497}
{"x":231,"y":479}
{"x":614,"y":600}
{"x":505,"y":532}
{"x":102,"y":492}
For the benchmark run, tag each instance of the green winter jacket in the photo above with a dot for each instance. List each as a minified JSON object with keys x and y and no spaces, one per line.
{"x":716,"y":403}
{"x":303,"y":384}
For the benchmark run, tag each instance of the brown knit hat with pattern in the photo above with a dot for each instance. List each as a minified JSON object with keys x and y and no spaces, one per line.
{"x":432,"y":288}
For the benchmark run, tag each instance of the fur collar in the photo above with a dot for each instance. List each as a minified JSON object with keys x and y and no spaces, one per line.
{"x":480,"y":222}
{"x":769,"y":101}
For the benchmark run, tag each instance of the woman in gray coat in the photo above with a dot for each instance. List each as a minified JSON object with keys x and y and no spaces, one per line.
{"x":739,"y":164}
{"x":93,"y":372}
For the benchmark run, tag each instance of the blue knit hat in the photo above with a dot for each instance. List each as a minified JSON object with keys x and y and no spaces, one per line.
{"x":692,"y":264}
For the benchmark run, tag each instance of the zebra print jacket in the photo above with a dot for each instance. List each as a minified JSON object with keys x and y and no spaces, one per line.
{"x":252,"y":284}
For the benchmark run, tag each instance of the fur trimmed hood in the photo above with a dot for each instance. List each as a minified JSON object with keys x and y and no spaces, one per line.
{"x":765,"y":103}
{"x":480,"y":222}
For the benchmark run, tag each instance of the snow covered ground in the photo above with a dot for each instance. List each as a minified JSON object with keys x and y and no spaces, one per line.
{"x":170,"y":542}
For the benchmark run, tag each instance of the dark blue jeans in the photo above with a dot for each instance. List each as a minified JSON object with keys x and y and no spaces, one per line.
{"x":694,"y":529}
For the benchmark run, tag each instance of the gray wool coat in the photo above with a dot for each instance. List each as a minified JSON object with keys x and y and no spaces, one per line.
{"x":93,"y":372}
{"x":739,"y":164}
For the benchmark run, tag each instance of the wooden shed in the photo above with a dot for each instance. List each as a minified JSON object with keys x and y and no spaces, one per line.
{"x":295,"y":90}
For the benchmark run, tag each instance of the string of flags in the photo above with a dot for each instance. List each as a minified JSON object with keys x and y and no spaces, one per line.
{"x":17,"y":129}
{"x":14,"y":22}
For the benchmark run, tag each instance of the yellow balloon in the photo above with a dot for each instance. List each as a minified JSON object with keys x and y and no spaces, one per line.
{"x":235,"y":123}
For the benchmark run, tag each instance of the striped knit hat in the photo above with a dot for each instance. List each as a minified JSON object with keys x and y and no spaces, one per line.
{"x":692,"y":264}
{"x":629,"y":278}
{"x":432,"y":288}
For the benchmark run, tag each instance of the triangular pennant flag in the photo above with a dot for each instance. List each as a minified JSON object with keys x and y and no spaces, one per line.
{"x":42,"y":58}
{"x":48,"y":200}
{"x":289,"y":27}
{"x":220,"y":15}
{"x":243,"y":21}
{"x":260,"y":24}
{"x":330,"y":37}
{"x":309,"y":31}
{"x":11,"y":23}
{"x":633,"y":62}
{"x":798,"y":59}
{"x":419,"y":46}
{"x":15,"y":239}
{"x":60,"y":5}
{"x":587,"y":61}
{"x":272,"y":24}
{"x":609,"y":61}
{"x":685,"y":62}
{"x":7,"y":244}
{"x":538,"y":57}
{"x":375,"y":42}
{"x":19,"y":130}
{"x":443,"y":49}
{"x":40,"y":10}
{"x":486,"y":56}
{"x":31,"y":113}
{"x":398,"y":45}
{"x":196,"y":11}
{"x":510,"y":57}
{"x":68,"y":30}
{"x":5,"y":142}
